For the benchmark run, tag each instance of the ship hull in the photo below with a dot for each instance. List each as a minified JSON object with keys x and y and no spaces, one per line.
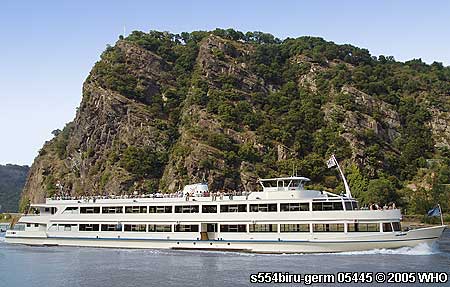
{"x":314,"y":244}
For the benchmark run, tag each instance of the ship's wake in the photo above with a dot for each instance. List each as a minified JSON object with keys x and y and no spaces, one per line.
{"x":420,"y":249}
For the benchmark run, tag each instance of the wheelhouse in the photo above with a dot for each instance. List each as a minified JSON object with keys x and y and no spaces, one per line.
{"x":283,"y":183}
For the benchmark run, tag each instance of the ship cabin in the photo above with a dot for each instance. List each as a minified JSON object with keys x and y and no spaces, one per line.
{"x":280,"y":201}
{"x":280,"y":192}
{"x":294,"y":188}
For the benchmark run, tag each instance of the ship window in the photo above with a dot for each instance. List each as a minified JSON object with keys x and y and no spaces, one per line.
{"x":363,"y":227}
{"x":136,"y":209}
{"x":327,"y":206}
{"x":271,"y":207}
{"x":159,"y":228}
{"x":112,"y":209}
{"x":71,"y":209}
{"x":135,"y":227}
{"x":294,"y":206}
{"x":294,"y":227}
{"x":355,"y":205}
{"x":28,"y":224}
{"x":90,"y":209}
{"x":160,"y":209}
{"x":186,"y":209}
{"x":387,"y":227}
{"x":263,"y":228}
{"x":209,"y":209}
{"x":233,"y":208}
{"x":233,"y":228}
{"x":329,"y":227}
{"x":111,"y":227}
{"x":270,"y":183}
{"x":34,"y":210}
{"x":88,"y":227}
{"x":68,"y":227}
{"x":348,"y":205}
{"x":186,"y":228}
{"x":36,"y":225}
{"x":211,"y":227}
{"x":396,"y":226}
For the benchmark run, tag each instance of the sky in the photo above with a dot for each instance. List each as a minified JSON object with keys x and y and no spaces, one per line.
{"x":47,"y":48}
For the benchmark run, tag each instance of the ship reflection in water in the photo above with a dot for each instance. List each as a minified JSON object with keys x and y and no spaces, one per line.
{"x":64,"y":266}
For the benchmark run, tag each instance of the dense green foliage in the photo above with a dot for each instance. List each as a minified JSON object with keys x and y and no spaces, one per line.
{"x":142,"y":162}
{"x":112,"y":73}
{"x":12,"y":180}
{"x":292,"y":115}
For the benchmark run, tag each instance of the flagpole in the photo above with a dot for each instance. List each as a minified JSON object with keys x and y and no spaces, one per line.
{"x":347,"y":188}
{"x":440,"y":211}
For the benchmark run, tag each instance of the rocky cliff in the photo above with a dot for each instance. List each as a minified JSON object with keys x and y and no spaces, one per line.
{"x":161,"y":110}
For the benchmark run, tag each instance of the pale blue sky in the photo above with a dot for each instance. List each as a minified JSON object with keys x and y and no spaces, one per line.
{"x":47,"y":48}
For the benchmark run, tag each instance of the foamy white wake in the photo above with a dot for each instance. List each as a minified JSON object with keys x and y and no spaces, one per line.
{"x":2,"y":239}
{"x":420,"y":249}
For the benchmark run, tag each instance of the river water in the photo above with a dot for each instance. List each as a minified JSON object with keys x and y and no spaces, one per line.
{"x":100,"y":267}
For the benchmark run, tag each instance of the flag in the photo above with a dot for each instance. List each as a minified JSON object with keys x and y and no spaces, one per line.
{"x":331,"y":162}
{"x":434,"y":211}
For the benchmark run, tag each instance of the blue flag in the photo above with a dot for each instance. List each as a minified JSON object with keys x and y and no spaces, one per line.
{"x":434,"y":211}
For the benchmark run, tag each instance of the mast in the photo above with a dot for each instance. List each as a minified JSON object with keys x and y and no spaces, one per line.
{"x":347,"y":188}
{"x":440,"y":211}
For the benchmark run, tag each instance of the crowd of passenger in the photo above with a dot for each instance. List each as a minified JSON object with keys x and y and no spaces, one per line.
{"x":376,"y":206}
{"x":219,"y":195}
{"x":179,"y":194}
{"x":93,"y":198}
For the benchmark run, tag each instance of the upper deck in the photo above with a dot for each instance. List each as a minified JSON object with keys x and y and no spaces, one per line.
{"x":286,"y":188}
{"x":280,"y":200}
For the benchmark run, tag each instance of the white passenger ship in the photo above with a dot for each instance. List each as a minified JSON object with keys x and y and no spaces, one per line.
{"x":282,"y":218}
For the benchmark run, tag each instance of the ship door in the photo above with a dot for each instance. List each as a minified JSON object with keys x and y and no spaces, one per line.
{"x":208,"y":231}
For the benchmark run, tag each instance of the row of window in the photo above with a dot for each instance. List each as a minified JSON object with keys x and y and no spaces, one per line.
{"x":137,"y":227}
{"x":128,"y":209}
{"x":325,"y":206}
{"x":321,"y":227}
{"x":265,"y":207}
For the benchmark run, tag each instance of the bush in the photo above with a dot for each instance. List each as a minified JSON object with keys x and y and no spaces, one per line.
{"x":248,"y":153}
{"x":111,"y":73}
{"x":142,"y":162}
{"x":381,"y":191}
